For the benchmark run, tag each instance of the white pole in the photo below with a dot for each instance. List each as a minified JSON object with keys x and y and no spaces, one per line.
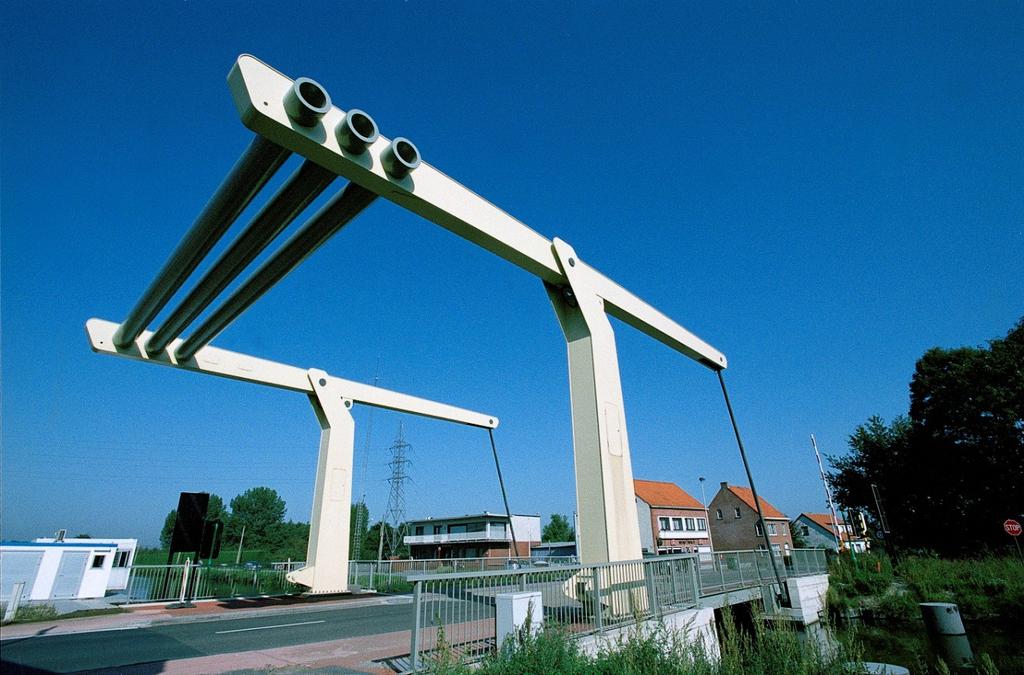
{"x":828,"y":494}
{"x":707,"y":516}
{"x":14,"y":602}
{"x":184,"y":580}
{"x":238,"y":556}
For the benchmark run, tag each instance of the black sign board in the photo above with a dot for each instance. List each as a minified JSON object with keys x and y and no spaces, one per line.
{"x":210,"y":547}
{"x":188,"y":525}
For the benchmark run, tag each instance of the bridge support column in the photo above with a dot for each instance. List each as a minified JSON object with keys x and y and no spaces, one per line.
{"x":326,"y":569}
{"x":608,"y":526}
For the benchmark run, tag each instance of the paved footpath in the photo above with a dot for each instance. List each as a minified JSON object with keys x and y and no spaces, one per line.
{"x":282,"y":634}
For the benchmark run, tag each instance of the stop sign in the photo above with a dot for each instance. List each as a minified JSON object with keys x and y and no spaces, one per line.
{"x":1012,"y":528}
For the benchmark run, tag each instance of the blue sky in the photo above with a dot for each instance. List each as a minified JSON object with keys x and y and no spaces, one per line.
{"x":820,"y":192}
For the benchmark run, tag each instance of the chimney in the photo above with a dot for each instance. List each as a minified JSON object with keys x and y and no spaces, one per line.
{"x":725,"y":485}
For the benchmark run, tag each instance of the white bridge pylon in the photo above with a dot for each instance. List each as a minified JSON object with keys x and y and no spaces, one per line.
{"x":327,"y":554}
{"x":297,"y":116}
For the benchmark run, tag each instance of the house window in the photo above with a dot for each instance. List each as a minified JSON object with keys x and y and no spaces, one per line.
{"x":419,"y":530}
{"x":702,"y":524}
{"x":782,"y":528}
{"x":97,"y":561}
{"x":691,"y":524}
{"x":437,"y":529}
{"x":677,"y":524}
{"x":663,"y":524}
{"x":776,"y":549}
{"x":737,"y":512}
{"x":771,"y":529}
{"x":121,"y":558}
{"x":806,"y":531}
{"x":757,"y":530}
{"x":456,"y":529}
{"x":718,"y":514}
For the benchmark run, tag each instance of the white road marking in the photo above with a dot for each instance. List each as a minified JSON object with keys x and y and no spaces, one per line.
{"x":280,"y":625}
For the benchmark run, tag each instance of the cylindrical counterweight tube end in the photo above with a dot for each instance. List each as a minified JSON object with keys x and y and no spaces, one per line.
{"x":356,"y":131}
{"x":400,"y":157}
{"x":306,"y":102}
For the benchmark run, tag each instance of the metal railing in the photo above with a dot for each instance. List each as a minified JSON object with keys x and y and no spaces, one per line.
{"x":391,"y":575}
{"x":455,"y":613}
{"x":168,"y":583}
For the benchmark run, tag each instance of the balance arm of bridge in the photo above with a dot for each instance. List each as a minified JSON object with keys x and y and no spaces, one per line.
{"x":259,"y":92}
{"x":237,"y":366}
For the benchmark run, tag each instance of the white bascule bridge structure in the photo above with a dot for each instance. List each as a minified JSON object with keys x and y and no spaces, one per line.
{"x":297,"y":116}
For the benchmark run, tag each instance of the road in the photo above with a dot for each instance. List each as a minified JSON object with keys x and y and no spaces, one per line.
{"x":155,"y":644}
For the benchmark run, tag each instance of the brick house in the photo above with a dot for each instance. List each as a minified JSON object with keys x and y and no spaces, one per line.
{"x":735,"y":526}
{"x":671,"y":521}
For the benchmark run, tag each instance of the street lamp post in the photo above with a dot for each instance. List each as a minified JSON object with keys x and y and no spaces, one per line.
{"x":707,"y":516}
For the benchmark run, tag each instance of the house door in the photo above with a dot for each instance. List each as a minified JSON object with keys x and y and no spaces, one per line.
{"x":18,"y":566}
{"x":69,"y":574}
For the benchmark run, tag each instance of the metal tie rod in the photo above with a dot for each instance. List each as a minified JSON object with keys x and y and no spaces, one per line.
{"x":334,"y":215}
{"x":252,"y":171}
{"x":305,"y":185}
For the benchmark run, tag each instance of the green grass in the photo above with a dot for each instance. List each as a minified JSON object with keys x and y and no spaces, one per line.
{"x":982,"y":588}
{"x":766,"y":650}
{"x":33,"y":613}
{"x":383,"y":583}
{"x":987,"y":587}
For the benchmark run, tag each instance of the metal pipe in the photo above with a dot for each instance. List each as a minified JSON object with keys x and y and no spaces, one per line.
{"x":400,"y":157}
{"x":252,"y":171}
{"x":334,"y":215}
{"x":356,"y":131}
{"x":783,"y":589}
{"x":306,"y":102}
{"x":291,"y":199}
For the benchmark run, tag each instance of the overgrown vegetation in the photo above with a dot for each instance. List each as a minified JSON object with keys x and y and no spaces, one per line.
{"x":950,"y":472}
{"x":982,"y":588}
{"x":764,"y":650}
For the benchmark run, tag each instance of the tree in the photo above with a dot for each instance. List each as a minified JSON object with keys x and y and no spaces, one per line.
{"x":168,"y":529}
{"x":215,"y":509}
{"x":287,"y":540}
{"x":258,"y":510}
{"x":558,"y":529}
{"x":371,"y":542}
{"x":951,"y":472}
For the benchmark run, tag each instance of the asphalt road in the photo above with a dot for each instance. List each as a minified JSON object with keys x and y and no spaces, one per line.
{"x":116,"y":648}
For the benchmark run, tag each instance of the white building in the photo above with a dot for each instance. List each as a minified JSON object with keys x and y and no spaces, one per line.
{"x":478,"y":535}
{"x":64,"y":570}
{"x":124,"y":558}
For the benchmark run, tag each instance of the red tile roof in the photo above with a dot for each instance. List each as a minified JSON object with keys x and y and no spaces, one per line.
{"x":747,"y":496}
{"x":659,"y":493}
{"x":825,"y":521}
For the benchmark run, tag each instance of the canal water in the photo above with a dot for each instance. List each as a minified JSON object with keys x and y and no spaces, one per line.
{"x":906,"y":643}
